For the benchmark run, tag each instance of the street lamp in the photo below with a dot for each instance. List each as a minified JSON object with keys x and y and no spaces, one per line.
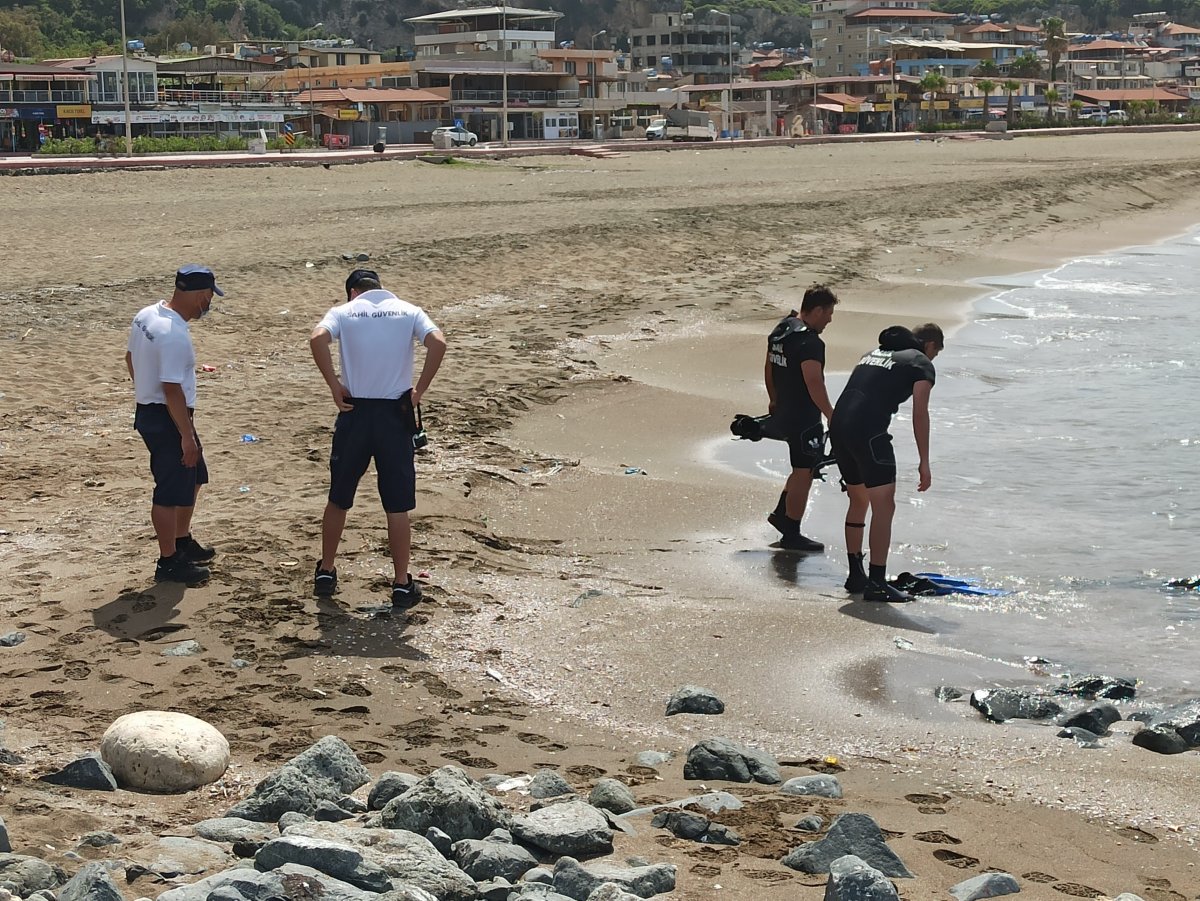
{"x":125,"y":84}
{"x":595,"y":77}
{"x":729,"y":101}
{"x":503,"y":43}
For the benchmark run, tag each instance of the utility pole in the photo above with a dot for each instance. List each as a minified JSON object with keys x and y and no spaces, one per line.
{"x":125,"y":84}
{"x":503,"y":42}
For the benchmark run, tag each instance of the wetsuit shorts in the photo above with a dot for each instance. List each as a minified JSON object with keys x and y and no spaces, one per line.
{"x":806,"y":447}
{"x":380,"y":430}
{"x":174,"y":484}
{"x":864,"y":459}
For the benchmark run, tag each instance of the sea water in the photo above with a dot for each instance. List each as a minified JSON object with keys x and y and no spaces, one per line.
{"x":1066,"y":470}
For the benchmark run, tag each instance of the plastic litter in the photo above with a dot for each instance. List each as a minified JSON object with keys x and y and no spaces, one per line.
{"x":249,"y":439}
{"x":245,"y":489}
{"x":635,"y":471}
{"x":207,"y":368}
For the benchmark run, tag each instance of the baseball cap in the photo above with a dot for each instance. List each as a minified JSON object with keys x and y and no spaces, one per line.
{"x":197,"y":278}
{"x":357,"y":276}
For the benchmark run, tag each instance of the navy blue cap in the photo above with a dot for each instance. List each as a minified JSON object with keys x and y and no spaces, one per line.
{"x":357,"y":276}
{"x":197,"y":278}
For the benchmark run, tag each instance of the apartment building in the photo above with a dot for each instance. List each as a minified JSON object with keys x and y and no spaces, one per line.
{"x":692,"y":48}
{"x":849,"y":34}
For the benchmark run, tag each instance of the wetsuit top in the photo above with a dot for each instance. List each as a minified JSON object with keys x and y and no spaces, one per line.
{"x":790,"y":344}
{"x":882,"y":381}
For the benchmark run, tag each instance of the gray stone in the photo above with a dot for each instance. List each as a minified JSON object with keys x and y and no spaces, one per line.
{"x":539,"y":874}
{"x":98,"y":839}
{"x":1128,"y":896}
{"x":329,"y":812}
{"x":719,"y":758}
{"x":573,"y":828}
{"x":12,"y":639}
{"x":189,"y":648}
{"x":987,"y":885}
{"x":535,"y":891}
{"x":1002,"y":704}
{"x":711,"y":802}
{"x":172,"y":856}
{"x":351,"y":804}
{"x":811,"y":823}
{"x":652,"y":758}
{"x":324,"y":772}
{"x":390,"y":785}
{"x":1161,"y":739}
{"x":610,"y":891}
{"x":548,"y":784}
{"x":851,"y":879}
{"x":289,"y":818}
{"x":947,"y":693}
{"x":450,"y":800}
{"x":406,"y":893}
{"x":1110,"y":688}
{"x":233,"y":829}
{"x":290,"y":881}
{"x":26,"y":875}
{"x":91,"y":883}
{"x":88,"y":772}
{"x":1095,"y":719}
{"x":1081,"y":737}
{"x":612,"y":794}
{"x":441,"y":841}
{"x":342,"y":862}
{"x":692,"y":699}
{"x":497,"y":889}
{"x":694,"y":827}
{"x":5,"y":844}
{"x":487,"y":859}
{"x":851,"y":833}
{"x":409,"y":859}
{"x":573,"y":879}
{"x":818,"y":786}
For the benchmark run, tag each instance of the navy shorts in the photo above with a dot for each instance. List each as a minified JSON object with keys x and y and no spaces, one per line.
{"x":174,"y":484}
{"x":807,"y":448}
{"x":863,"y":459}
{"x":381,"y":430}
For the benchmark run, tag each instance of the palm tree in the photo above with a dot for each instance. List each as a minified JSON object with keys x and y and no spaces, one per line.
{"x":1025,"y":66}
{"x":932,"y":83}
{"x":1010,"y":87}
{"x":987,"y":88}
{"x":1076,"y":106}
{"x":1055,"y":42}
{"x":987,"y":68}
{"x":1051,"y":99}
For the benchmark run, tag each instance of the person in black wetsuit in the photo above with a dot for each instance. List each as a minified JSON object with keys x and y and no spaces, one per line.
{"x":900,"y":368}
{"x":795,"y":378}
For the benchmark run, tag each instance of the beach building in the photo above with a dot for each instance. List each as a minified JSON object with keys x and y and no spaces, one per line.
{"x":849,"y":34}
{"x":39,"y":101}
{"x":690,"y":48}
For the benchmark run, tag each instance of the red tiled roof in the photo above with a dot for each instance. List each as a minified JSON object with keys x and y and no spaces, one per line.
{"x":1174,"y":28}
{"x":988,"y":27}
{"x":1125,"y":95}
{"x":1105,"y":45}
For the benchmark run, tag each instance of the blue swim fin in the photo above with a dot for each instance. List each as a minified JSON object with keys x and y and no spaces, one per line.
{"x":966,"y":586}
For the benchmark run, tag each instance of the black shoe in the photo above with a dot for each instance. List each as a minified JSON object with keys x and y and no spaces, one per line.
{"x":406,"y":595}
{"x":325,"y":581}
{"x":782,"y":524}
{"x":193,"y":551}
{"x":882,"y":591}
{"x":856,"y":581}
{"x":180,"y":569}
{"x":797,"y":542}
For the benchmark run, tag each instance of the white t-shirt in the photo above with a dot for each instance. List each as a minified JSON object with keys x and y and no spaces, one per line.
{"x":377,"y":333}
{"x":160,"y":344}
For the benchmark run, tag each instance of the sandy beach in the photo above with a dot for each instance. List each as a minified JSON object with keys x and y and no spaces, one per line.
{"x":584,"y":555}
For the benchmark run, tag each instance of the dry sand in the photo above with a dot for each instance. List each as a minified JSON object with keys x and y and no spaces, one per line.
{"x":602,"y":314}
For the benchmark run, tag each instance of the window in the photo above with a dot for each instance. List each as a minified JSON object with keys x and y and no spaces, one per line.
{"x":341,"y":59}
{"x":569,"y":66}
{"x":370,"y":82}
{"x":649,"y":40}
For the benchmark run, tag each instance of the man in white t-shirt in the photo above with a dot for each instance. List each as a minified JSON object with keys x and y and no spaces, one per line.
{"x":162,"y":364}
{"x":377,"y":333}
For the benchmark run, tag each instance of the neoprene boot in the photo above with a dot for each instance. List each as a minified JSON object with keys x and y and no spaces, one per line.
{"x":878,"y":589}
{"x":856,"y":581}
{"x":779,"y":518}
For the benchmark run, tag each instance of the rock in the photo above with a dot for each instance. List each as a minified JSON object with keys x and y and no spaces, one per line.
{"x":811,"y":823}
{"x":1093,"y":687}
{"x":948,"y":693}
{"x":539,"y":874}
{"x":494,"y":890}
{"x":851,"y":833}
{"x":406,"y":893}
{"x":390,"y":785}
{"x":818,"y":786}
{"x":694,"y":827}
{"x":450,"y":800}
{"x":91,"y":883}
{"x":98,"y":839}
{"x":165,"y":752}
{"x":851,"y":879}
{"x":691,"y":699}
{"x":12,"y":639}
{"x":173,"y":856}
{"x":189,"y":648}
{"x":329,"y":812}
{"x":987,"y":885}
{"x":1128,"y":896}
{"x":233,"y":829}
{"x":290,"y":881}
{"x":610,"y":891}
{"x":324,"y":772}
{"x":290,"y":818}
{"x":1162,"y":739}
{"x":612,"y":794}
{"x":711,"y":802}
{"x":573,"y":879}
{"x":1082,"y":737}
{"x":651,"y":758}
{"x":719,"y":758}
{"x":1003,"y":704}
{"x":573,"y":828}
{"x":88,"y":772}
{"x":351,"y":804}
{"x":487,"y":859}
{"x":1095,"y":719}
{"x":407,"y":858}
{"x":548,"y":784}
{"x":441,"y":841}
{"x":25,"y":875}
{"x":5,"y":844}
{"x":1183,"y":718}
{"x":340,"y":861}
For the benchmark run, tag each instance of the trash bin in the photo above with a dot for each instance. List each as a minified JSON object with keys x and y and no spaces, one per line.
{"x":257,"y":145}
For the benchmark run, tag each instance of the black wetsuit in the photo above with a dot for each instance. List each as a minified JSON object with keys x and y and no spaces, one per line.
{"x":796,"y":417}
{"x":879,"y":384}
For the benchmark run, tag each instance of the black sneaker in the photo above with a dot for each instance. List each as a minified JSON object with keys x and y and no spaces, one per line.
{"x":782,"y":524}
{"x":797,"y":542}
{"x":193,"y":551}
{"x":406,"y":595}
{"x":882,"y":591}
{"x":325,"y":581}
{"x":180,"y":569}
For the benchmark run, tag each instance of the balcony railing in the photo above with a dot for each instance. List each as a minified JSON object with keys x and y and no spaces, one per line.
{"x":43,"y":96}
{"x":236,"y":98}
{"x":531,"y":98}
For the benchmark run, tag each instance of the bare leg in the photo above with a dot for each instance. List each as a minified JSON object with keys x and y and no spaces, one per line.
{"x":164,"y":520}
{"x":856,"y":517}
{"x":183,"y":516}
{"x":798,"y":486}
{"x":400,"y":544}
{"x":883,"y":509}
{"x":333,"y":523}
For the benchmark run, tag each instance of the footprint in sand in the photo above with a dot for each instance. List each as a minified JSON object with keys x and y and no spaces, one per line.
{"x":540,"y":741}
{"x":1039,"y":877}
{"x":1075,"y":890}
{"x":954,"y":859}
{"x":937,"y":838}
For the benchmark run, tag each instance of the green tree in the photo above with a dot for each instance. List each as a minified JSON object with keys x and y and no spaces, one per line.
{"x":1075,"y":106}
{"x":1055,"y":42}
{"x":932,"y":83}
{"x":986,"y":88}
{"x":1025,"y":66}
{"x":20,"y":32}
{"x":1010,"y":88}
{"x":1052,"y":97}
{"x":987,"y":68}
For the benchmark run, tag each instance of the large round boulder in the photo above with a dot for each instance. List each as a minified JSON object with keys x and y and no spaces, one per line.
{"x":160,"y":751}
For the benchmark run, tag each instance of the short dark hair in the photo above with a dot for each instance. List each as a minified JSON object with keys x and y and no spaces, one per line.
{"x":362,"y":279}
{"x":930,"y":331}
{"x":818,"y":296}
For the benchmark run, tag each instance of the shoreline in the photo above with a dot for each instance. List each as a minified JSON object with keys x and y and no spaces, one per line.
{"x":589,"y":592}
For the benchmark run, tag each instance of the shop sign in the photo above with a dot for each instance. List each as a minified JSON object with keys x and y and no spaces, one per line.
{"x":349,"y":115}
{"x":74,"y":111}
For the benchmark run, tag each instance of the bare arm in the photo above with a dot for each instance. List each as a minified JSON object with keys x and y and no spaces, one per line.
{"x":177,"y":407}
{"x":319,"y":344}
{"x":129,"y":364}
{"x":435,"y":351}
{"x":814,"y":381}
{"x":769,"y":380}
{"x":921,"y":431}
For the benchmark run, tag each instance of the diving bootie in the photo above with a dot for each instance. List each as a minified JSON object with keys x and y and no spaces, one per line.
{"x":876,"y":590}
{"x":856,"y":581}
{"x":778,"y":518}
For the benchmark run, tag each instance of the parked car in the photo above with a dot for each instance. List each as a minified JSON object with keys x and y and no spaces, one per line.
{"x":656,"y":130}
{"x":1118,"y":115}
{"x":458,"y":135}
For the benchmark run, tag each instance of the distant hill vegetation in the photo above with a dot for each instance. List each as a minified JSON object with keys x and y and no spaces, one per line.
{"x":1085,"y":16}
